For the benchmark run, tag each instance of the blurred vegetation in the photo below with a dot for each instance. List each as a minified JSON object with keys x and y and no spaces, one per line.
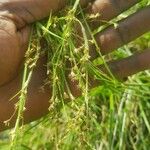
{"x":112,"y":116}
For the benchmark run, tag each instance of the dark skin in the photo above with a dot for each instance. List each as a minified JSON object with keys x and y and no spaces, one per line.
{"x":16,"y":17}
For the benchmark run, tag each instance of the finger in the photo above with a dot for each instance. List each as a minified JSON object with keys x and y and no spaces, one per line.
{"x":84,"y":3}
{"x":24,"y":36}
{"x":108,"y":9}
{"x":121,"y":69}
{"x":126,"y":31}
{"x":130,"y":65}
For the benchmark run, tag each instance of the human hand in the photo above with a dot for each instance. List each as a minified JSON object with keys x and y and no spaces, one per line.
{"x":109,"y":38}
{"x":25,"y":12}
